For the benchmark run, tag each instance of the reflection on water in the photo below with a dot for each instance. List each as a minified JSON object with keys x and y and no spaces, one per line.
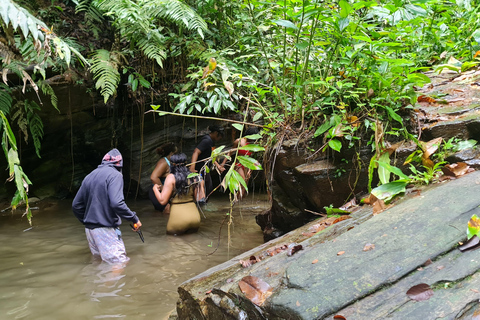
{"x":48,"y":272}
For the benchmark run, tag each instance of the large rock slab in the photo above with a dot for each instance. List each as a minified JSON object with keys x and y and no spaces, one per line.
{"x":332,"y":274}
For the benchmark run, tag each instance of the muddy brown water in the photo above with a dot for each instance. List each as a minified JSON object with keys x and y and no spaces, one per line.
{"x":47,"y":272}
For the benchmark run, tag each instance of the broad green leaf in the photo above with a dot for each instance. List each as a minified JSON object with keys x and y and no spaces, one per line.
{"x":192,"y":175}
{"x":363,"y":38}
{"x":257,"y":116}
{"x":216,"y":106}
{"x":302,"y":45}
{"x":239,"y":179}
{"x":389,"y":190}
{"x":19,"y":180}
{"x":345,"y":8}
{"x":144,"y":83}
{"x":252,"y":147}
{"x":334,"y":211}
{"x":383,"y":173}
{"x":286,"y":24}
{"x":343,"y":24}
{"x":217,"y":151}
{"x":393,"y":169}
{"x":419,"y":79}
{"x":254,"y":136}
{"x":8,"y":131}
{"x":238,"y":126}
{"x":249,"y":162}
{"x":13,"y":160}
{"x":322,"y":129}
{"x":393,"y":114}
{"x":212,"y":101}
{"x":473,"y":226}
{"x":335,"y":145}
{"x":467,"y":144}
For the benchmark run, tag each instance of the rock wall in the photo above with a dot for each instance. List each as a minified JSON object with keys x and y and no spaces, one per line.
{"x":83,"y":129}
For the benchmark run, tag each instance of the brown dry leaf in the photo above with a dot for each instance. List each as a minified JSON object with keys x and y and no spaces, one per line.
{"x":340,"y":317}
{"x":424,"y":98}
{"x":392,"y":148}
{"x":277,"y":249}
{"x":430,"y":147}
{"x":427,"y":162}
{"x":440,"y":267}
{"x":455,"y":169}
{"x":344,"y":217}
{"x":366,"y":200}
{"x":352,"y":203}
{"x":255,"y":289}
{"x":340,"y":253}
{"x":314,"y":261}
{"x":428,"y":262}
{"x":472,"y":243}
{"x":298,"y":304}
{"x":420,"y":292}
{"x":378,"y":206}
{"x":370,"y":93}
{"x":368,"y":247}
{"x":475,"y":290}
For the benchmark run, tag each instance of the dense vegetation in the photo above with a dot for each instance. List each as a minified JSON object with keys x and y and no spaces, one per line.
{"x":331,"y":70}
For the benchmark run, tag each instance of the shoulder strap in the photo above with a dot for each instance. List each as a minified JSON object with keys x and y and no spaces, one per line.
{"x":168,"y":161}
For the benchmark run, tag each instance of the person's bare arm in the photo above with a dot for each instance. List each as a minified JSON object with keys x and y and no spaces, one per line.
{"x":195,"y":155}
{"x":160,"y":169}
{"x":167,"y":190}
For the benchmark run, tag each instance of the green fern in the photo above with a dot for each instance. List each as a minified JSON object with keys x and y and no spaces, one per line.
{"x":48,"y":91}
{"x":35,"y":124}
{"x":21,"y":19}
{"x":104,"y":68}
{"x":134,"y":20}
{"x":153,"y":51}
{"x":92,"y":13}
{"x":5,"y":99}
{"x":177,"y":12}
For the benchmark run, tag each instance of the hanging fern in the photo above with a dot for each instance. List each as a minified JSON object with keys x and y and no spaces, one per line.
{"x":178,"y":12}
{"x":92,"y":13}
{"x":48,"y":91}
{"x":5,"y":99}
{"x":134,"y":20}
{"x":20,"y":119}
{"x":105,"y":72}
{"x":35,"y":124}
{"x":18,"y":17}
{"x":152,"y":51}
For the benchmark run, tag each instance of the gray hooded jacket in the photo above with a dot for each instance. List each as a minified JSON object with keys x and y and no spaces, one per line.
{"x":99,"y":201}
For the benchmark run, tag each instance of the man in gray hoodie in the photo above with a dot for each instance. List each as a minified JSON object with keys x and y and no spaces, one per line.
{"x":100,"y":206}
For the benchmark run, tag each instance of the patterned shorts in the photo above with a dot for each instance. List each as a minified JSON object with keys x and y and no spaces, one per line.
{"x":108,"y":244}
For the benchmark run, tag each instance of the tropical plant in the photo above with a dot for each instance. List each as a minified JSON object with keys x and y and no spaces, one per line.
{"x":140,"y":24}
{"x":28,"y":43}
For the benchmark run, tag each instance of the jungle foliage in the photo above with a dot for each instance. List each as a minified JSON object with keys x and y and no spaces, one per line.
{"x":334,"y":71}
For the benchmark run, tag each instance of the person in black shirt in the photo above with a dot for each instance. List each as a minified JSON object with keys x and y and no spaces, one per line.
{"x":202,"y":152}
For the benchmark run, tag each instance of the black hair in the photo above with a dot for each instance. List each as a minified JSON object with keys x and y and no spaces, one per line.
{"x":251,"y":131}
{"x":179,"y":169}
{"x":166,"y":148}
{"x":214,"y":128}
